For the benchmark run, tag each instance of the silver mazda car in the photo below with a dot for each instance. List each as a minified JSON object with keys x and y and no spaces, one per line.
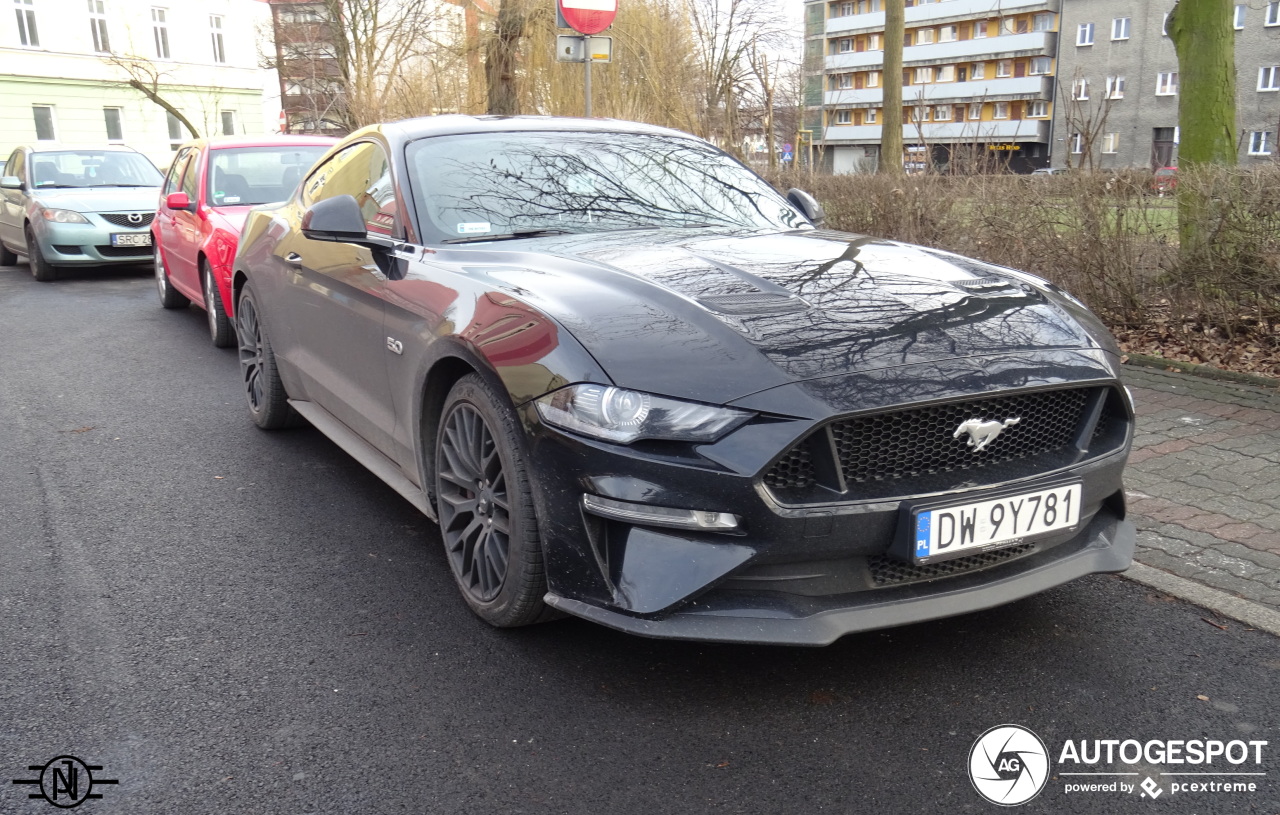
{"x":76,"y":207}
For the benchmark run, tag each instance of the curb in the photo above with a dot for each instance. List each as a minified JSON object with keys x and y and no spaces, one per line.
{"x":1203,"y":371}
{"x":1252,"y":614}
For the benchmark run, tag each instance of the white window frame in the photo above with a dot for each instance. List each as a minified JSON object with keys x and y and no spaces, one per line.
{"x":1273,"y":14}
{"x":847,"y":9}
{"x":1038,"y":109}
{"x":98,"y":26}
{"x":942,"y":113}
{"x":1000,"y":110}
{"x":175,"y":126}
{"x":1004,"y":68}
{"x":869,"y":116}
{"x":925,"y":36}
{"x":160,"y":31}
{"x":216,"y":40}
{"x":1260,"y":143}
{"x":28,"y":27}
{"x":922,"y":75}
{"x":1164,"y":25}
{"x":873,"y":79}
{"x":875,"y":42}
{"x":1120,"y":27}
{"x":222,"y":122}
{"x":1269,"y":79}
{"x":975,"y":111}
{"x":978,"y":70}
{"x":844,"y":82}
{"x":1080,"y":90}
{"x":844,"y":46}
{"x":1046,"y":62}
{"x":1110,"y":143}
{"x":1042,"y":22}
{"x":1237,"y":18}
{"x":980,"y":30}
{"x":945,"y":73}
{"x":1115,"y":87}
{"x":1084,"y":34}
{"x":53,"y":122}
{"x":844,"y":117}
{"x":948,"y":33}
{"x":1167,"y":83}
{"x":1077,"y":143}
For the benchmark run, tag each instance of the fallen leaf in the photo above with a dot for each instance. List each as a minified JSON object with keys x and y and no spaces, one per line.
{"x":1202,"y":697}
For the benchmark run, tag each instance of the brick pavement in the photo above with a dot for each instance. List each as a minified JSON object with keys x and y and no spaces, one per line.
{"x":1204,"y":482}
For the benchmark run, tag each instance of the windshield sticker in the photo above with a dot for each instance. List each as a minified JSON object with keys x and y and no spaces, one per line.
{"x":230,"y":199}
{"x":474,"y":229}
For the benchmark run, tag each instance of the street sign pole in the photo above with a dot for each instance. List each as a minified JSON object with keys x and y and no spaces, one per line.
{"x":586,"y":76}
{"x":587,"y":17}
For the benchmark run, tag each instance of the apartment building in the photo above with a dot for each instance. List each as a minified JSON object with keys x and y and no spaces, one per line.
{"x":1118,"y":103}
{"x":978,"y":82}
{"x":65,"y":68}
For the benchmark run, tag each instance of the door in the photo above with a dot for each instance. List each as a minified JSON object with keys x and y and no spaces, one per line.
{"x":166,"y":233}
{"x":184,"y":269}
{"x":335,"y":299}
{"x":11,"y":204}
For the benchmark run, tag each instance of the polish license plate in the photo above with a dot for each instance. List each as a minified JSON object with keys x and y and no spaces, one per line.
{"x":130,"y":238}
{"x":945,"y":532}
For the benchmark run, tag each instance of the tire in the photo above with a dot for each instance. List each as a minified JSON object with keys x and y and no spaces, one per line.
{"x":169,"y":296}
{"x":7,"y":258}
{"x":41,"y":269}
{"x":486,"y":512}
{"x":220,"y":329}
{"x":263,"y":389}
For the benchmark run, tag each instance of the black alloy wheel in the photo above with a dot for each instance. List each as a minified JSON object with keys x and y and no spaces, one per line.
{"x":268,"y":402}
{"x":220,"y":330}
{"x":486,"y":511}
{"x":41,"y":268}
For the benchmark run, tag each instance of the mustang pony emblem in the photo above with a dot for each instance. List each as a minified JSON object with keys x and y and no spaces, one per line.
{"x":983,"y":433}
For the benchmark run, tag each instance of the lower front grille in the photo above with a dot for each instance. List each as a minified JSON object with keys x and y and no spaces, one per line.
{"x":124,"y":251}
{"x":886,"y":571}
{"x":911,"y":451}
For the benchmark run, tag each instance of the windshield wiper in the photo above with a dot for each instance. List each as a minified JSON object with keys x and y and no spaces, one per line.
{"x":54,"y":187}
{"x":123,"y":185}
{"x":510,"y":236}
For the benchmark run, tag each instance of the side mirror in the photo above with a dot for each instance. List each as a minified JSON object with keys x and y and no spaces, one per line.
{"x":11,"y":182}
{"x":808,"y":206}
{"x":178,"y":200}
{"x":340,"y":220}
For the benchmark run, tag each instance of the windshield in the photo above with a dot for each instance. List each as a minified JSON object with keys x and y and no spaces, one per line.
{"x":477,"y":186}
{"x":246,"y":176}
{"x":92,"y":168}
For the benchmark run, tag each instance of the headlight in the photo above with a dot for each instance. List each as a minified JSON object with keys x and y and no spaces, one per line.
{"x":63,"y":216}
{"x":624,"y":416}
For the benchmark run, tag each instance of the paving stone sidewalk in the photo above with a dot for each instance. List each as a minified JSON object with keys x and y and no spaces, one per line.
{"x":1204,"y":482}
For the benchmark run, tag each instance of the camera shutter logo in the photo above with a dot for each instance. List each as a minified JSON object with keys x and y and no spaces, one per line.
{"x":65,"y":782}
{"x":1008,"y":765}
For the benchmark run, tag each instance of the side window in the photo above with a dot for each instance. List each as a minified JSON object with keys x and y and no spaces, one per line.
{"x":189,"y":185}
{"x":362,"y":171}
{"x":175,"y":171}
{"x":16,"y":166}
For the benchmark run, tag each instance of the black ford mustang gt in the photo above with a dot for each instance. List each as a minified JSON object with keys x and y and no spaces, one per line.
{"x":635,"y":384}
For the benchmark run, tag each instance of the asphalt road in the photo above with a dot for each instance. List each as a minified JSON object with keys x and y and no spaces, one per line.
{"x":233,"y":621}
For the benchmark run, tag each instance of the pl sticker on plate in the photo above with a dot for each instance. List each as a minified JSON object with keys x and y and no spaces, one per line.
{"x":479,"y":228}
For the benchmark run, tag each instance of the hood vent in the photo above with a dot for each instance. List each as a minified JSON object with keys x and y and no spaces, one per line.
{"x":983,"y":283}
{"x":753,"y":302}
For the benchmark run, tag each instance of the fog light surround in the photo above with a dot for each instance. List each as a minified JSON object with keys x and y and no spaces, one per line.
{"x":660,"y":516}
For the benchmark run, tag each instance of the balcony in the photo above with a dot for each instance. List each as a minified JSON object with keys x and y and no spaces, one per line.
{"x":947,"y":11}
{"x":1021,"y":130}
{"x":940,"y":53}
{"x":1027,"y":87}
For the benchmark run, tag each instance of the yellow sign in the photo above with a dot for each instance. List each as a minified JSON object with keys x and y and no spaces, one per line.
{"x":1003,"y":146}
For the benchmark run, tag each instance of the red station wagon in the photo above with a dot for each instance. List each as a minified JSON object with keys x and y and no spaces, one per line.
{"x":207,"y":193}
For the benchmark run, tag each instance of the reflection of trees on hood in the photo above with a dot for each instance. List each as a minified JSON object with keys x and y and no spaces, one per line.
{"x":563,"y":182}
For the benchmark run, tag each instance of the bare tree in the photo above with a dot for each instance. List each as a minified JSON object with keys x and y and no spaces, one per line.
{"x":146,"y":78}
{"x":1086,"y":120}
{"x":501,"y":53}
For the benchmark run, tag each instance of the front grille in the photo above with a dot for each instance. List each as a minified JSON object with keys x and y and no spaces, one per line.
{"x":875,"y":452}
{"x":886,"y":571}
{"x":124,"y":251}
{"x":122,"y":219}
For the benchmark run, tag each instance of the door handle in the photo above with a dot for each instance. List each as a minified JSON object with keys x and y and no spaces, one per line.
{"x":294,"y":258}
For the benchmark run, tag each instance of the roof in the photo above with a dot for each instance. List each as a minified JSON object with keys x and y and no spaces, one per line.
{"x":452,"y":124}
{"x":223,"y":142}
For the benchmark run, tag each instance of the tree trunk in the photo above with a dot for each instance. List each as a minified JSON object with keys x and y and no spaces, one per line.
{"x":1204,"y":39}
{"x":500,"y":58}
{"x":891,"y":81}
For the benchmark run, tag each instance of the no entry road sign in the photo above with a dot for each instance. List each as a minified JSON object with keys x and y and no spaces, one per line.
{"x":588,"y":16}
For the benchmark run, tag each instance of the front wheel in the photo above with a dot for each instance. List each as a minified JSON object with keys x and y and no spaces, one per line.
{"x":41,"y":269}
{"x":169,"y":296}
{"x":263,"y":388}
{"x":220,"y":330}
{"x":486,"y":511}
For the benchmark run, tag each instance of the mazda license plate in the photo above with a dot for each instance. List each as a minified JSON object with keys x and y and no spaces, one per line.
{"x":130,"y":238}
{"x":945,"y":532}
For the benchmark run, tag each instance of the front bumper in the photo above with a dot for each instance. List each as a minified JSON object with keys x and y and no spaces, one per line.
{"x":792,"y":574}
{"x":89,"y":244}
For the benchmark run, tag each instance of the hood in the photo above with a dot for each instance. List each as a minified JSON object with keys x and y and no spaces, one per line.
{"x":719,"y":318}
{"x":102,"y":199}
